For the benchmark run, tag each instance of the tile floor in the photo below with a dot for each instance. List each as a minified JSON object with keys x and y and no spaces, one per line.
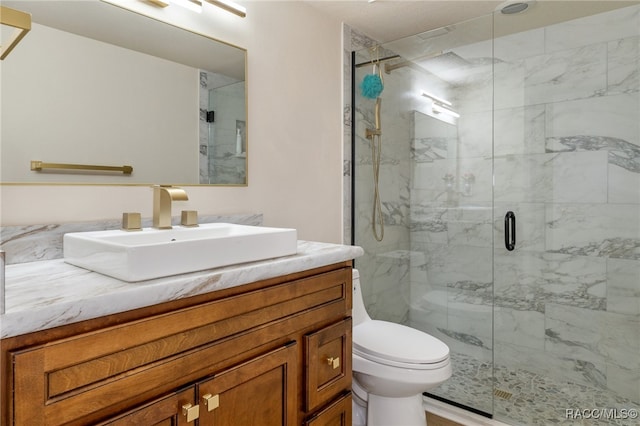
{"x":535,"y":400}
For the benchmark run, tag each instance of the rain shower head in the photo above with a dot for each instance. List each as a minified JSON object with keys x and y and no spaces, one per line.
{"x":433,"y":63}
{"x":446,"y":60}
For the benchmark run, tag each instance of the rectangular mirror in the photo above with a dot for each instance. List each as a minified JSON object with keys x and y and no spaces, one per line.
{"x":96,"y":84}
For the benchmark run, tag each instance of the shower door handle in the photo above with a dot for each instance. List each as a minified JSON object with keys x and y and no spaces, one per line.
{"x":510,"y":231}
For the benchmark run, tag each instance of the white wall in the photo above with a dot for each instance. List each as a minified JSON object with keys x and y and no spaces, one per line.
{"x":119,"y":112}
{"x":294,"y":131}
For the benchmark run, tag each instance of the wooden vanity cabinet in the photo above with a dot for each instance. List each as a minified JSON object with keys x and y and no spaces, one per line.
{"x":275,"y":352}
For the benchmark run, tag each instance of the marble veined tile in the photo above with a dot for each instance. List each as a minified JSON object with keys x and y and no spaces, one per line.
{"x":475,"y":131}
{"x":519,"y":130}
{"x":624,"y":186}
{"x":612,"y":25}
{"x":467,"y":317}
{"x":463,"y":267}
{"x":624,"y":381}
{"x":568,"y":177}
{"x":428,"y":221}
{"x":470,"y":225}
{"x":566,"y":75}
{"x":593,"y":336}
{"x":433,"y":139}
{"x":530,"y":281}
{"x":509,"y":88}
{"x":477,"y":96}
{"x":443,"y":181}
{"x":596,"y":230}
{"x":429,"y":148}
{"x":586,"y":123}
{"x":624,"y":65}
{"x":516,"y":46}
{"x":623,"y":286}
{"x":521,"y":328}
{"x":621,"y":153}
{"x":429,"y":177}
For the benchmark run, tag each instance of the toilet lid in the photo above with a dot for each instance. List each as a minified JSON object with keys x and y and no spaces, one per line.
{"x":399,"y":343}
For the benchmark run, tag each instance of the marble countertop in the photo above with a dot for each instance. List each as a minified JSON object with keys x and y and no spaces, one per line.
{"x":51,"y":293}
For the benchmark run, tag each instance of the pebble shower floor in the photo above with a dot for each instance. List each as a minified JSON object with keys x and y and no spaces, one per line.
{"x":535,"y":400}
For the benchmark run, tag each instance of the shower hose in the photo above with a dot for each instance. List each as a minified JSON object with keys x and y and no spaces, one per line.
{"x":377,"y":220}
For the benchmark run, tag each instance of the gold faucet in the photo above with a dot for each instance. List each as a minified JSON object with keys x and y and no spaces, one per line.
{"x":163,"y":195}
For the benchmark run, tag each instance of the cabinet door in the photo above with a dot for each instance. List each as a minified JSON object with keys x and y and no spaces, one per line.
{"x":261,"y":392}
{"x":337,"y":413}
{"x":328,"y":363}
{"x":176,"y":409}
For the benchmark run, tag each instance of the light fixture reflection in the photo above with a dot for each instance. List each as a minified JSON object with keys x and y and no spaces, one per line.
{"x":435,"y":98}
{"x":230,"y":6}
{"x":196,"y":5}
{"x":440,"y":105}
{"x":439,"y":109}
{"x":193,"y":5}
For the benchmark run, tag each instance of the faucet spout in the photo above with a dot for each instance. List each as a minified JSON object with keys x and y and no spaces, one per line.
{"x":162,"y":198}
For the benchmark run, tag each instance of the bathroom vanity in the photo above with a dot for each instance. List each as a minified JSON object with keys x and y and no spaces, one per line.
{"x":265,"y":343}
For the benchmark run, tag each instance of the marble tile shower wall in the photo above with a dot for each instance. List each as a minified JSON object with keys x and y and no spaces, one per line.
{"x":219,"y":161}
{"x":385,"y":266}
{"x":566,"y":158}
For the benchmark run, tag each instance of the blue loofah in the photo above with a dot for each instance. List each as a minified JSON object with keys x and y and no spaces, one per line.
{"x":371,"y":86}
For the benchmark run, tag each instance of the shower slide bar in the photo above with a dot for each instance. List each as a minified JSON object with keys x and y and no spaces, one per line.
{"x":38,"y":166}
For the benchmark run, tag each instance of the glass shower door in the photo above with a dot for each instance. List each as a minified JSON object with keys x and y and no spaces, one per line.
{"x":567,"y":165}
{"x":441,"y":90}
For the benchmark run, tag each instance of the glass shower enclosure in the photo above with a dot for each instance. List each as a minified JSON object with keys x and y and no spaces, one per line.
{"x":509,"y":183}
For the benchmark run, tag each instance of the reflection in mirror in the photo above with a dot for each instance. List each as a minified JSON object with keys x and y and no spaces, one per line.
{"x":222,"y":130}
{"x":93,"y":83}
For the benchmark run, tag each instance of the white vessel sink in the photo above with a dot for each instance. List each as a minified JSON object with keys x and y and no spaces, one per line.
{"x":154,"y":253}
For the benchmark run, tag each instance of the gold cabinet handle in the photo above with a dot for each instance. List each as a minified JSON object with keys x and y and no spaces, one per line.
{"x":211,"y":401}
{"x":191,"y":412}
{"x":333,"y":362}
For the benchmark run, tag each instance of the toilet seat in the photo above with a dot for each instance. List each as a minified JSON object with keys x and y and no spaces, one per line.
{"x":398,"y":346}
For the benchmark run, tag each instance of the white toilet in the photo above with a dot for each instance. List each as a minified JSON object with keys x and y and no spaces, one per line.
{"x":392,"y":365}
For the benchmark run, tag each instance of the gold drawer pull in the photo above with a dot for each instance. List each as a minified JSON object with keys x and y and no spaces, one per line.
{"x":191,"y":412}
{"x":333,"y":362}
{"x":211,"y":401}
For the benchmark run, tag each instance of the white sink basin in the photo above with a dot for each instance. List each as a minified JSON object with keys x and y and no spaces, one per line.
{"x":154,"y":253}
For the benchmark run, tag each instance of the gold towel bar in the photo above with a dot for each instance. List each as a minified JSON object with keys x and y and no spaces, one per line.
{"x":39,"y":165}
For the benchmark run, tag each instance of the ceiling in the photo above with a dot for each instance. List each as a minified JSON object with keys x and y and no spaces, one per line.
{"x":387,"y":20}
{"x":390,"y":20}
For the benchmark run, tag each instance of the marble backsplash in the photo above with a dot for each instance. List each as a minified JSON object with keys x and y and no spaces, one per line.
{"x":44,"y":242}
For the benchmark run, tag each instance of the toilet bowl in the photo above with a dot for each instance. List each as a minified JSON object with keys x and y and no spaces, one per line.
{"x":392,"y":366}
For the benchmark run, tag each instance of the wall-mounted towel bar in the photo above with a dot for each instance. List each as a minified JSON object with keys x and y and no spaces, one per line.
{"x":39,"y":166}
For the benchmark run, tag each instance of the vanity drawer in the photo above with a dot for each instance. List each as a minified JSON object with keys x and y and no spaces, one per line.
{"x":328,"y":368}
{"x":338,"y":413}
{"x":94,"y":375}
